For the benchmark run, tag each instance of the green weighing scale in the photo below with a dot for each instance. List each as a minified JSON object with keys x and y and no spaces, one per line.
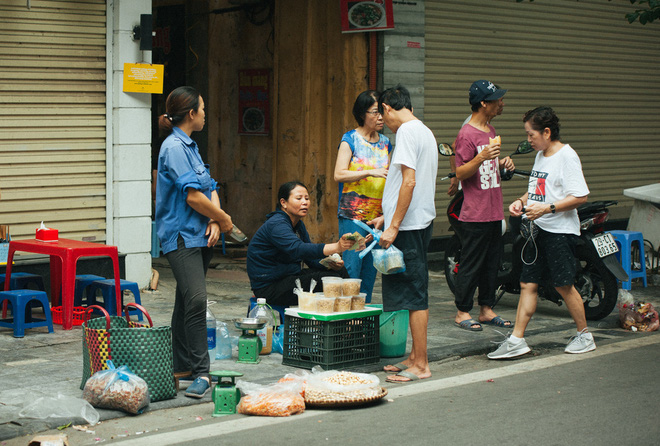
{"x":225,"y":395}
{"x":249,"y":344}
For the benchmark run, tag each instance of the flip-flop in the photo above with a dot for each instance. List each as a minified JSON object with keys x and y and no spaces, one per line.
{"x":411,"y":377}
{"x":399,"y":365}
{"x":469,"y":325}
{"x":498,"y":322}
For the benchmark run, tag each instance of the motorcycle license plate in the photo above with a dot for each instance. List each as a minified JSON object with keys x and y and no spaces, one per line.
{"x":605,"y":245}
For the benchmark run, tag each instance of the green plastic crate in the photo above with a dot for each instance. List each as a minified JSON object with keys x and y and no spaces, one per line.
{"x":334,"y":344}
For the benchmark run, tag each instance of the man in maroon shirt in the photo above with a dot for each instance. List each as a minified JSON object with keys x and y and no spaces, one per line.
{"x":478,"y":168}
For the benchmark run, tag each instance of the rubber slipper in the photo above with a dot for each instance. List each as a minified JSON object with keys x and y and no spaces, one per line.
{"x":411,"y":377}
{"x":469,"y":325}
{"x":498,"y":322}
{"x":399,"y":365}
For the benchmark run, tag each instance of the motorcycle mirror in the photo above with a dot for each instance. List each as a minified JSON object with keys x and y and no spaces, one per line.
{"x":523,"y":147}
{"x":445,"y":149}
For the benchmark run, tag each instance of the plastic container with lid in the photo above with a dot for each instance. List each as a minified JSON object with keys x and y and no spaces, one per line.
{"x":332,"y":286}
{"x":325,"y":304}
{"x":351,"y":287}
{"x":307,"y":301}
{"x":343,"y":304}
{"x":357,"y":302}
{"x":264,"y":311}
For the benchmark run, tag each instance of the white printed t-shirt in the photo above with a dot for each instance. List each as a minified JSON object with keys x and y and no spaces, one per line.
{"x":415,"y":148}
{"x":554,"y":178}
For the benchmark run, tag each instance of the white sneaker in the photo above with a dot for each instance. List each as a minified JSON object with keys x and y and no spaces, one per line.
{"x":583,"y":342}
{"x":508,"y":349}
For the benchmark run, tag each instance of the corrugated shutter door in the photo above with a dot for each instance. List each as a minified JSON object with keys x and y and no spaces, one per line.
{"x":582,"y":58}
{"x":52,"y":117}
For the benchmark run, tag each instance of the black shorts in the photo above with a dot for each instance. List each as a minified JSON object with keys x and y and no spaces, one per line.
{"x":555,"y":260}
{"x":409,"y":290}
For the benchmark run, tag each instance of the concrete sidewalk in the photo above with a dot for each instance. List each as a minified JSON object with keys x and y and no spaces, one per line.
{"x":42,"y":364}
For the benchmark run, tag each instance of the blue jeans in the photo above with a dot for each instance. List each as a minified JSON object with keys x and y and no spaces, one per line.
{"x":358,"y":268}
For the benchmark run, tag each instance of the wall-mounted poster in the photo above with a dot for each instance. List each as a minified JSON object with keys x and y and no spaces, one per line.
{"x":366,"y":15}
{"x":143,"y":78}
{"x":253,"y":102}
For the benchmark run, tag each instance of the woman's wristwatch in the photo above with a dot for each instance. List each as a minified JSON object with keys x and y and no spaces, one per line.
{"x":552,"y":208}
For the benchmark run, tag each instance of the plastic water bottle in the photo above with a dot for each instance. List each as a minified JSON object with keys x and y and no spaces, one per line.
{"x":223,"y":341}
{"x":211,"y":335}
{"x":263,"y":311}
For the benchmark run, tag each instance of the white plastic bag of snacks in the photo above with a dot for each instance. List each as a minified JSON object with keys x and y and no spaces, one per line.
{"x":340,"y":386}
{"x":117,"y":388}
{"x":275,"y":400}
{"x":389,"y":261}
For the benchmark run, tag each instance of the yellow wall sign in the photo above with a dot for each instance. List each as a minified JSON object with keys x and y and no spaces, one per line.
{"x":143,"y":78}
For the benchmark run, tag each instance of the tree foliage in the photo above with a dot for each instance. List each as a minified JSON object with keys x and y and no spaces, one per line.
{"x":648,"y":12}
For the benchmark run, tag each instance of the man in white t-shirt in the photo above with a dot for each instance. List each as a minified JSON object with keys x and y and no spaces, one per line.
{"x":408,"y":213}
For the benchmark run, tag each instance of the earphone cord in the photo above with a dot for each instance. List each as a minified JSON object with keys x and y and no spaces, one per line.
{"x":536,"y":249}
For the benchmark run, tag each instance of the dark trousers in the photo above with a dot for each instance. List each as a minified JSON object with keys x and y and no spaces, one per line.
{"x":281,"y":292}
{"x":189,"y":343}
{"x":481,"y":252}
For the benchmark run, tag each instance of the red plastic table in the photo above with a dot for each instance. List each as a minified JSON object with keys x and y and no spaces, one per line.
{"x":64,"y":255}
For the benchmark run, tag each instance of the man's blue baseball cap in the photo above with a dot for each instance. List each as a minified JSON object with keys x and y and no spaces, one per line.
{"x":484,"y":91}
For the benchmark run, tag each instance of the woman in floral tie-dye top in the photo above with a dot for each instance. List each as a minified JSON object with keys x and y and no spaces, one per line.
{"x":361,"y":170}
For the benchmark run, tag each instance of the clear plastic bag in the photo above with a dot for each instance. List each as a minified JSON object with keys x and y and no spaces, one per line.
{"x":117,"y":389}
{"x":274,"y":400}
{"x":61,"y":406}
{"x":637,"y":315}
{"x":389,"y":261}
{"x":338,"y":386}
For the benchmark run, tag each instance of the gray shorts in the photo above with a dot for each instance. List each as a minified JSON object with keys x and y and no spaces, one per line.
{"x":556,"y":260}
{"x":409,"y":290}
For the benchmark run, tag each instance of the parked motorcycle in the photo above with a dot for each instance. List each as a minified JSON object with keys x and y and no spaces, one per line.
{"x":597,"y":266}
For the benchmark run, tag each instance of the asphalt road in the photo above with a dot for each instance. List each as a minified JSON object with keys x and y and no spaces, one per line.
{"x":606,"y":397}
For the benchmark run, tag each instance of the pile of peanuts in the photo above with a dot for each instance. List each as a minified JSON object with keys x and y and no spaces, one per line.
{"x":346,"y":379}
{"x":365,"y":389}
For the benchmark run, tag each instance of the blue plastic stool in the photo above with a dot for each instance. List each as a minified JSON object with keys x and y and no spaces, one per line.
{"x":625,"y":240}
{"x":156,"y":250}
{"x":279,"y":309}
{"x":107,"y":287}
{"x":21,"y":311}
{"x":82,"y":282}
{"x":20,"y":281}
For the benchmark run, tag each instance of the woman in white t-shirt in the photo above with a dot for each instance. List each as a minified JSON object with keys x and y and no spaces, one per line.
{"x":556,"y":188}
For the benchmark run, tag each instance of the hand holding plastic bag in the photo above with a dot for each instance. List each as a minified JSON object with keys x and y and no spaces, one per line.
{"x":389,"y":261}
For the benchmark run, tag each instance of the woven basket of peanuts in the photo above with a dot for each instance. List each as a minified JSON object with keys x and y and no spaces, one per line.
{"x":340,"y":388}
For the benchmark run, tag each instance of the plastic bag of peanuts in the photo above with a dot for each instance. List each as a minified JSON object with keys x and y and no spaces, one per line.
{"x":117,"y":388}
{"x":281,"y":399}
{"x":339,"y":386}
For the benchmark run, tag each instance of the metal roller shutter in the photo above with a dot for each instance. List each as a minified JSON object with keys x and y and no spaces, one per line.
{"x":582,"y":58}
{"x":53,"y":117}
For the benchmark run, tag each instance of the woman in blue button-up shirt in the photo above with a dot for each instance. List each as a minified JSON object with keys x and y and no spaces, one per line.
{"x":190,"y":222}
